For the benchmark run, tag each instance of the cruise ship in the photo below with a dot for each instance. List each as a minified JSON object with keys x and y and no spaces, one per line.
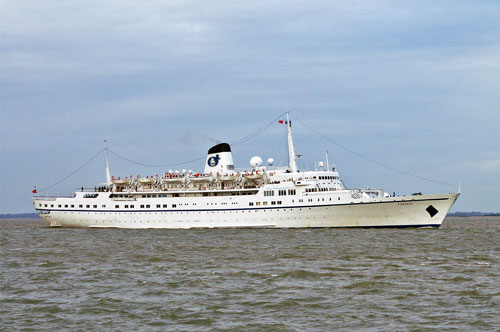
{"x":262,"y":196}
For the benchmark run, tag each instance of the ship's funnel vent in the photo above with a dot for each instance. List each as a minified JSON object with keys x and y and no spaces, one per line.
{"x":219,"y":159}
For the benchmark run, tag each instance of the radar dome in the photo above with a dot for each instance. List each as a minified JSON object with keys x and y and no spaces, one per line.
{"x":320,"y":164}
{"x":256,"y":161}
{"x":270,"y":161}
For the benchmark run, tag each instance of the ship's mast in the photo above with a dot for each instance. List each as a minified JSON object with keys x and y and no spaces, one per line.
{"x":108,"y":175}
{"x":291,"y":148}
{"x":327,"y":162}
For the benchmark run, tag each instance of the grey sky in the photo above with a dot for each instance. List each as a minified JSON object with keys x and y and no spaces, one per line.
{"x":412,"y":85}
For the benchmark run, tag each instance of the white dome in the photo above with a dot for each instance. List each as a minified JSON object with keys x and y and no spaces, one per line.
{"x":270,"y":161}
{"x":256,"y":161}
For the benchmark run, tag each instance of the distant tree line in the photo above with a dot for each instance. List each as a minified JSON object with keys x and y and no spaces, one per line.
{"x":473,"y":214}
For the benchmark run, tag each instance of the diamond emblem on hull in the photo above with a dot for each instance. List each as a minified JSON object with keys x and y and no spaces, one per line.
{"x":432,"y":210}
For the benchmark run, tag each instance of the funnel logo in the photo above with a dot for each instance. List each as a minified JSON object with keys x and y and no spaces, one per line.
{"x":213,"y":161}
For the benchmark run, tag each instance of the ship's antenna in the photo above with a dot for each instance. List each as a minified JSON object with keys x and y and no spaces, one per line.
{"x":108,"y":175}
{"x":291,"y":148}
{"x":327,"y":163}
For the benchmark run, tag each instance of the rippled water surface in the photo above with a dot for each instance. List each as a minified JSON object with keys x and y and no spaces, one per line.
{"x":445,"y":279}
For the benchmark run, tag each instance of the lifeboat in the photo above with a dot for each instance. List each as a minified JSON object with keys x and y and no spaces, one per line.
{"x":121,"y":181}
{"x":254,"y":176}
{"x":201,"y":178}
{"x":173,"y":178}
{"x":147,"y":180}
{"x":227,"y":177}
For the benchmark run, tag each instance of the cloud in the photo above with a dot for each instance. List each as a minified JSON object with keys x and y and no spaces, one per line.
{"x":414,"y":84}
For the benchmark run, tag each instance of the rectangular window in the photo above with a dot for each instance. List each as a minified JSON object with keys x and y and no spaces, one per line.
{"x":126,"y":206}
{"x":264,"y":203}
{"x":257,"y":203}
{"x":165,"y":205}
{"x":158,"y":206}
{"x":103,"y":206}
{"x":174,"y":205}
{"x":148,"y":206}
{"x":273,"y":203}
{"x":87,"y":206}
{"x":59,"y":205}
{"x":117,"y":206}
{"x":131,"y":206}
{"x":80,"y":206}
{"x":51,"y":205}
{"x":95,"y":206}
{"x":45,"y":205}
{"x":142,"y":206}
{"x":250,"y":204}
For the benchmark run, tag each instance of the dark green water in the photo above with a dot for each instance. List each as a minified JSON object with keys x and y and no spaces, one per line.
{"x":445,"y":279}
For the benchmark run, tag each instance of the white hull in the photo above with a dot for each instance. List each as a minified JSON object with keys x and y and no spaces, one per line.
{"x":408,"y":211}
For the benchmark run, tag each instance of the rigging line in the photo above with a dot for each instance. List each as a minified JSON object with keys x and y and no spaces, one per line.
{"x":237,"y":142}
{"x":369,"y":159}
{"x":257,"y":132}
{"x":74,"y":172}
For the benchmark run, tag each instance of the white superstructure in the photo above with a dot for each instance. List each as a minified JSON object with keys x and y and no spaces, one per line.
{"x":224,"y":197}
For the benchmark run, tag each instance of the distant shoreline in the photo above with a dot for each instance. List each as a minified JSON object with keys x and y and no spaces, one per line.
{"x":18,"y":215}
{"x":454,"y":214}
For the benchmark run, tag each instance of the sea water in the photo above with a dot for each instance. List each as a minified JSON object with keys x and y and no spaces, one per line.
{"x":445,"y":279}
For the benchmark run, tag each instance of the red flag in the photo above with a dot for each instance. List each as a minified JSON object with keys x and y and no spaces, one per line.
{"x":34,"y":191}
{"x":280,"y":121}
